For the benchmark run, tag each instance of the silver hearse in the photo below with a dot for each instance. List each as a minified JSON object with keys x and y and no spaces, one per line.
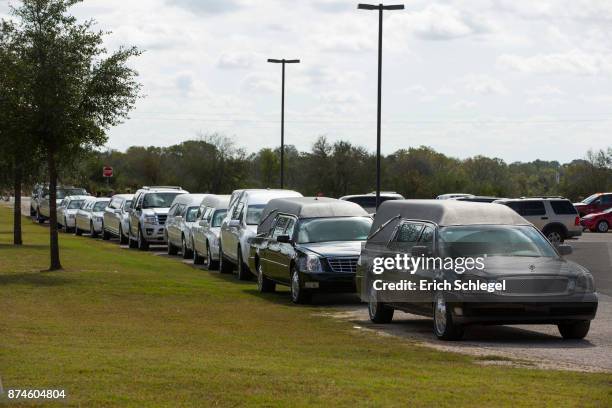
{"x":205,"y":232}
{"x":522,"y":278}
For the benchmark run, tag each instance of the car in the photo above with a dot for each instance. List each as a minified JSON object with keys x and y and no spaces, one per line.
{"x":309,"y":244}
{"x":595,"y":203}
{"x":521,"y":279}
{"x":555,"y":216}
{"x":183,"y":213}
{"x":66,"y":212}
{"x":453,"y":195}
{"x":205,"y":232}
{"x":148,"y":215}
{"x":43,"y":209}
{"x":90,"y":217}
{"x":240,"y":224}
{"x":477,"y":199}
{"x":368,"y":201}
{"x":116,"y":218}
{"x":597,"y":222}
{"x":38,"y":191}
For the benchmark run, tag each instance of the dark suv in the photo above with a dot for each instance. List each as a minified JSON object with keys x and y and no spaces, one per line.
{"x":595,"y":203}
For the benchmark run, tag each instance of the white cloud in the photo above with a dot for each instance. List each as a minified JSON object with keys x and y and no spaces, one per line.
{"x":571,"y":62}
{"x":238,"y":60}
{"x":484,"y":85}
{"x":207,"y":7}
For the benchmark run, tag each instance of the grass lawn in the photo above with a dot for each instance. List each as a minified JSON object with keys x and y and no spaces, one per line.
{"x":122,"y":328}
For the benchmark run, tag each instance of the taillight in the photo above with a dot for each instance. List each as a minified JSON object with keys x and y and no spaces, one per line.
{"x":577,"y":221}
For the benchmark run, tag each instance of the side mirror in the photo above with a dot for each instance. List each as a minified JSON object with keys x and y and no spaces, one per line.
{"x":203,"y":223}
{"x":283,"y":239}
{"x":234,"y":223}
{"x":565,"y":249}
{"x":118,"y":211}
{"x":420,"y":250}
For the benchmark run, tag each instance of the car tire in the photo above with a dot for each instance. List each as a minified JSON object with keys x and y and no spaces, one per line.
{"x":65,"y":224}
{"x":243,"y":270}
{"x":77,"y":231}
{"x":122,"y":238}
{"x":603,"y":226}
{"x":555,"y":235}
{"x":210,"y":264}
{"x":39,"y":218}
{"x":225,"y":266}
{"x":264,"y":285}
{"x":105,"y":234}
{"x":92,"y":231}
{"x":32,"y":211}
{"x":574,"y":330}
{"x":299,"y":295}
{"x":187,"y":254}
{"x":443,"y":325}
{"x":379,"y":312}
{"x":142,"y":243}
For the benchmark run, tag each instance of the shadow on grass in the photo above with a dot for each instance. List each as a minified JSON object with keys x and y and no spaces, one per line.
{"x":34,"y":279}
{"x":24,"y":246}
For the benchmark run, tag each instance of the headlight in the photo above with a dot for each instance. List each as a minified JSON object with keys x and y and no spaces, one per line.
{"x":150,"y":219}
{"x":585,"y":283}
{"x":310,"y":263}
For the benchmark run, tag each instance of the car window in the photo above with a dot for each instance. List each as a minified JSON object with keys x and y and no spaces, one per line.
{"x":158,"y":200}
{"x":280,"y":226}
{"x":192,"y":214}
{"x":563,"y":207}
{"x":606,"y":199}
{"x":100,"y":205}
{"x":333,"y":229}
{"x":533,"y":208}
{"x":218,"y":217}
{"x":127,"y":204}
{"x":75,"y":204}
{"x":290,"y":227}
{"x":237,"y":211}
{"x":406,"y":236}
{"x":253,"y":215}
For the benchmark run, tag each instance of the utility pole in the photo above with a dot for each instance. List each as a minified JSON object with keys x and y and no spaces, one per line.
{"x":380,"y":8}
{"x":282,"y":148}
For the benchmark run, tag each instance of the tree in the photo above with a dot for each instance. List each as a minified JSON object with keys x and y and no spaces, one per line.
{"x":77,"y":89}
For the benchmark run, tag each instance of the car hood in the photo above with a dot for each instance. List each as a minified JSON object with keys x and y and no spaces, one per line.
{"x":593,"y":215}
{"x":98,"y":213}
{"x":333,"y":248}
{"x":580,"y":205}
{"x":155,"y":211}
{"x":498,"y":266}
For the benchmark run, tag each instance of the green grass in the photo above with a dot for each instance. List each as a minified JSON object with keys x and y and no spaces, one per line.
{"x":122,"y":328}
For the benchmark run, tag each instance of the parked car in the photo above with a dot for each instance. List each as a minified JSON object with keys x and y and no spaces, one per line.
{"x":595,"y":203}
{"x":90,"y":217}
{"x":66,"y":212}
{"x":42,"y":201}
{"x":309,"y":244}
{"x":148,"y":215}
{"x":556,"y":217}
{"x":597,"y":222}
{"x":540,"y":286}
{"x":452,"y":195}
{"x":240,"y":224}
{"x":368,"y":201}
{"x":116,"y":218}
{"x":205,"y":232}
{"x":183,"y":213}
{"x":38,"y":191}
{"x":477,"y":199}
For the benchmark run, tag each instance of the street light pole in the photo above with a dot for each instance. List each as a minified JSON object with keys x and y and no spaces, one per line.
{"x":282,"y":148}
{"x":380,"y":8}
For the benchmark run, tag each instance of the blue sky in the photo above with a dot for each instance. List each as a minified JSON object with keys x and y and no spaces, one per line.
{"x":513,"y":79}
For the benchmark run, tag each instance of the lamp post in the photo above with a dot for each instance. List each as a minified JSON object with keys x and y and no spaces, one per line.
{"x":380,"y":8}
{"x":282,"y":148}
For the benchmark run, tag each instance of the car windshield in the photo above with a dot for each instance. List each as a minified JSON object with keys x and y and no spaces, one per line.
{"x":100,"y":206}
{"x":494,"y":240}
{"x":127,"y":204}
{"x":159,"y":200}
{"x":334,"y":229}
{"x":75,"y":204}
{"x":192,"y":214}
{"x":65,"y":192}
{"x":591,"y":198}
{"x":218,"y":217}
{"x":254,"y":214}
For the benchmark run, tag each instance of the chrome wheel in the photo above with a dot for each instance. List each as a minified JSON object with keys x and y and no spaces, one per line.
{"x":602,"y":226}
{"x":554,"y":237}
{"x":295,"y":286}
{"x":440,"y":314}
{"x":259,"y":278}
{"x":372,"y":303}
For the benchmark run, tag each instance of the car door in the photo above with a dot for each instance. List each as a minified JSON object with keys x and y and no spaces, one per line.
{"x":535,"y":213}
{"x":170,"y":232}
{"x":277,"y":265}
{"x":231,"y":246}
{"x":403,"y":240}
{"x":135,"y":214}
{"x":605,"y":202}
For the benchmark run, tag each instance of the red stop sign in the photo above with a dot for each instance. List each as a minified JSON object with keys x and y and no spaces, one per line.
{"x":107,"y":171}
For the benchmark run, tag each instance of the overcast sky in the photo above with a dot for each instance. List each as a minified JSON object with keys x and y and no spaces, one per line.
{"x":513,"y":79}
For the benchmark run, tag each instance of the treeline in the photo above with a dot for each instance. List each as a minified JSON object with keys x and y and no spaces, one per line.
{"x":215,"y":164}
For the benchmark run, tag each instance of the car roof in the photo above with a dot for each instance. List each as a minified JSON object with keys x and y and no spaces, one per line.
{"x":505,"y":200}
{"x":77,"y":197}
{"x":309,"y":207}
{"x":189,"y":199}
{"x":262,"y":196}
{"x":216,"y":201}
{"x":124,"y":196}
{"x":163,"y":189}
{"x":382,"y":194}
{"x":442,"y":213}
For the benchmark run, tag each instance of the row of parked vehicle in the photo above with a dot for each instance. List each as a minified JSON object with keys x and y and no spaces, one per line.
{"x":315,"y":244}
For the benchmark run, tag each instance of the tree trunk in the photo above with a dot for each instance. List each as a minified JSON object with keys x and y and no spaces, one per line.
{"x":17,"y":240}
{"x":53,"y":236}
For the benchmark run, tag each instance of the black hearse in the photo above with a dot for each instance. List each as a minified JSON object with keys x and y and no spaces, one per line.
{"x":308,"y":243}
{"x":522,"y":278}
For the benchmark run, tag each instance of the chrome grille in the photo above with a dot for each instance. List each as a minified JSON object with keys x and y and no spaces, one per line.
{"x":536,"y":286}
{"x":343,"y":265}
{"x":161,"y":219}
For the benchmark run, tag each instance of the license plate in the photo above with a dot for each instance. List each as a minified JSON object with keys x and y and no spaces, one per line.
{"x":311,"y":285}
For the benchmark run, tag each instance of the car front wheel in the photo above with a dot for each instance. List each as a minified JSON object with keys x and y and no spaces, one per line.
{"x":243,"y":270}
{"x":574,"y":330}
{"x":444,"y":326}
{"x":603,"y":226}
{"x":298,"y":293}
{"x":143,"y":245}
{"x":224,"y":265}
{"x":210,"y":264}
{"x":378,"y":311}
{"x":184,"y":250}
